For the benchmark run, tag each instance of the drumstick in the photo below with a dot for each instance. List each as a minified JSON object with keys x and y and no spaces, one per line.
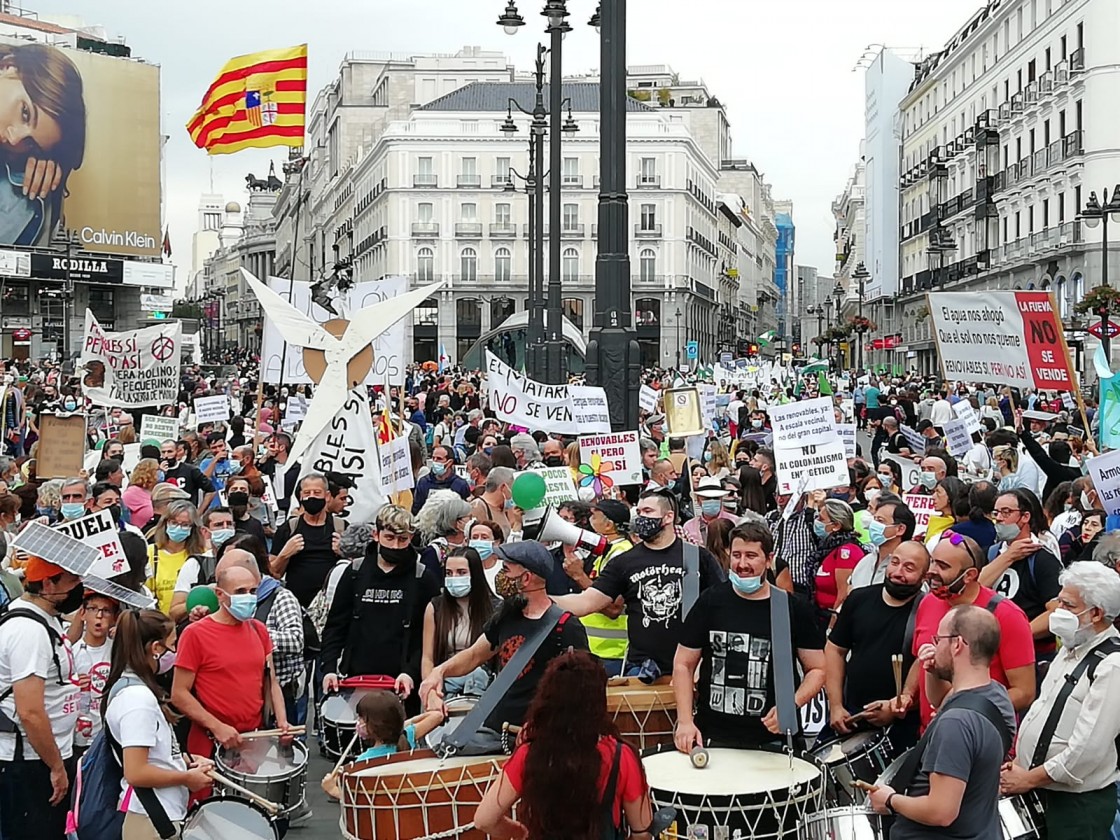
{"x":273,"y":733}
{"x":271,"y":807}
{"x":866,"y":787}
{"x":511,"y":728}
{"x":896,"y":663}
{"x":345,"y":753}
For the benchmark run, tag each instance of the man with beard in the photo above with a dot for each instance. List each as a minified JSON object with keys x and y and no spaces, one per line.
{"x":953,"y":581}
{"x":871,"y":628}
{"x":949,"y":786}
{"x":376,"y":622}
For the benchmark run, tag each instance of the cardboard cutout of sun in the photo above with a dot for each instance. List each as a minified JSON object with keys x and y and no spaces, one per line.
{"x":595,"y":475}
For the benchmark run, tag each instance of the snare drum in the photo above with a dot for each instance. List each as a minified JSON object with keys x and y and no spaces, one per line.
{"x":413,"y":796}
{"x":337,"y":721}
{"x":225,"y":817}
{"x":644,"y":714}
{"x":457,"y":709}
{"x":847,"y":823}
{"x":272,"y":770}
{"x":863,"y":757}
{"x":762,"y":794}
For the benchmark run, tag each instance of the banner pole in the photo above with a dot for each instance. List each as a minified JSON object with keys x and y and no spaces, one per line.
{"x":1072,"y":373}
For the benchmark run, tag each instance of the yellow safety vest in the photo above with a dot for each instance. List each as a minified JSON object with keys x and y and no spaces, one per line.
{"x":607,"y":638}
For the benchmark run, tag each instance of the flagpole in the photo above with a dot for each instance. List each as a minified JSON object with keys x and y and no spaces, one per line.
{"x":291,"y":288}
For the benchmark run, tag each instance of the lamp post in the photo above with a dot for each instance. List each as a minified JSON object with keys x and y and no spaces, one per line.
{"x":838,"y":293}
{"x":1093,"y":214}
{"x":679,"y":315}
{"x":66,"y":241}
{"x":860,"y":275}
{"x":819,"y":312}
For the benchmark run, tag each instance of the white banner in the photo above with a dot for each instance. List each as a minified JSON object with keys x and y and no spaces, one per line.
{"x":517,"y":399}
{"x":154,"y":427}
{"x":1105,"y":471}
{"x":647,"y":399}
{"x":589,"y":407}
{"x":211,"y":409}
{"x":967,"y":413}
{"x":100,"y":531}
{"x":396,"y":466}
{"x":559,"y":486}
{"x":911,"y":472}
{"x":620,"y":450}
{"x":923,"y":507}
{"x":388,"y":348}
{"x":131,"y":368}
{"x":847,"y":434}
{"x":348,"y":446}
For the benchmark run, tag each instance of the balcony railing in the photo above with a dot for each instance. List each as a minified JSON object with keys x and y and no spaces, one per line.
{"x":499,"y":181}
{"x":468,"y":181}
{"x":468,"y":230}
{"x":647,"y":231}
{"x":573,"y":181}
{"x":1071,"y":144}
{"x":572,"y":231}
{"x":649,"y":181}
{"x":425,"y":181}
{"x":503,"y":231}
{"x":430,"y":229}
{"x":1077,"y":60}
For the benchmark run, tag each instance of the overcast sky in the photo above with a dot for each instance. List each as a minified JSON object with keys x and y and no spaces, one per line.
{"x":783,"y":70}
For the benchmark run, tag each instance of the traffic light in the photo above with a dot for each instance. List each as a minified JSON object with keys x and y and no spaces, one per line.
{"x":797,"y":349}
{"x":752,"y":350}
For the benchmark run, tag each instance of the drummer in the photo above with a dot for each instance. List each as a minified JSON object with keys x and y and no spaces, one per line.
{"x":728,"y":636}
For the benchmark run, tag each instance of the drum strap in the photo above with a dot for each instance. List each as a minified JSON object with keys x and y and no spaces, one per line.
{"x":690,"y":585}
{"x":493,"y":695}
{"x":966,"y":700}
{"x":1088,"y":664}
{"x":781,"y":646}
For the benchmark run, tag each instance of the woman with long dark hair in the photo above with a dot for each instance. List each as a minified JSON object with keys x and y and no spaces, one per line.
{"x":454,"y":619}
{"x":138,"y":716}
{"x":568,"y":752}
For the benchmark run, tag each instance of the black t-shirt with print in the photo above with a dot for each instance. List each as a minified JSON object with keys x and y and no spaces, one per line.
{"x":736,"y":686}
{"x":190,"y":479}
{"x":1031,"y":583}
{"x":505,"y":637}
{"x":650,"y":581}
{"x":872,"y":630}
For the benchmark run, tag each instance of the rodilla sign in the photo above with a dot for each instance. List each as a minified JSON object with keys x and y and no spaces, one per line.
{"x":1011,"y":338}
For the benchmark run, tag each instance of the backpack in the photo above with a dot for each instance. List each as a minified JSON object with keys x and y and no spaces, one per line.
{"x":312,"y":640}
{"x":993,"y":553}
{"x":94,"y":812}
{"x":320,"y":605}
{"x":338,"y":523}
{"x":207,"y":566}
{"x":6,"y":723}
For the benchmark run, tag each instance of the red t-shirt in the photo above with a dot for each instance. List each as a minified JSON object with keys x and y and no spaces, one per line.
{"x":844,"y":557}
{"x":631,"y":783}
{"x":228,"y":664}
{"x":1016,"y":643}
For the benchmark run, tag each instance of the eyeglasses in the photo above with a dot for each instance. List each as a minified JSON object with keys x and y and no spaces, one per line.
{"x":937,"y":639}
{"x":1007,"y":511}
{"x":959,"y":540}
{"x":99,"y":611}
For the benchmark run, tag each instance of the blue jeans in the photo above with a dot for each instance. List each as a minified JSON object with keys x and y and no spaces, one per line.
{"x":1116,"y":819}
{"x":473,"y":684}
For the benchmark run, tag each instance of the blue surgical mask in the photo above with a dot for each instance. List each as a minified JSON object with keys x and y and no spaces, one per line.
{"x":484,"y":548}
{"x":745,"y":585}
{"x":242,"y":606}
{"x":235,"y":468}
{"x":819,"y":529}
{"x":928,"y":480}
{"x":178,"y":533}
{"x":711,"y":507}
{"x":876,"y":532}
{"x":707,"y":457}
{"x":457,"y":587}
{"x":438,"y":468}
{"x":72,"y":510}
{"x":221,"y":536}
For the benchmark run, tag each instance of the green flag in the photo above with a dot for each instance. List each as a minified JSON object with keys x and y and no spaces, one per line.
{"x":823,"y":386}
{"x":767,"y":337}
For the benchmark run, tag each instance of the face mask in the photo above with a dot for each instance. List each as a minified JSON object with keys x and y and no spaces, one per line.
{"x":238,"y":499}
{"x":243,"y":605}
{"x":171,"y":463}
{"x":438,"y":469}
{"x":819,"y":529}
{"x":554,"y":461}
{"x":457,"y":587}
{"x":1067,"y":507}
{"x":488,"y":449}
{"x":178,"y":533}
{"x":484,"y":547}
{"x":745,"y":585}
{"x":116,"y":512}
{"x":947,"y":591}
{"x":1065,"y":625}
{"x":396,"y":556}
{"x":72,"y":510}
{"x":235,"y":468}
{"x":72,"y":602}
{"x":871,"y":495}
{"x":166,"y":661}
{"x":507,"y":504}
{"x":876,"y":532}
{"x":756,"y":424}
{"x":1085,"y":503}
{"x":707,"y":457}
{"x":710,"y":507}
{"x":929,"y":480}
{"x":1006,"y":532}
{"x":70,"y":405}
{"x":901,"y":591}
{"x":313,"y":505}
{"x":646,"y":528}
{"x":221,"y":536}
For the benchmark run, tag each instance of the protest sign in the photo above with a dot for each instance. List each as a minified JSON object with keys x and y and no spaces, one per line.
{"x":923,"y":507}
{"x":396,"y":466}
{"x":1013,"y":338}
{"x":804,"y":423}
{"x":683,"y":415}
{"x":1105,"y":472}
{"x":1068,"y":401}
{"x":915,"y":441}
{"x":647,"y":399}
{"x":707,"y":403}
{"x":589,"y":407}
{"x":211,"y":409}
{"x":847,"y":434}
{"x":619,"y":459}
{"x":296,"y":409}
{"x":967,"y":413}
{"x":517,"y":399}
{"x":821,"y":466}
{"x":1108,"y":420}
{"x":100,"y":531}
{"x":131,"y":457}
{"x":559,"y":486}
{"x":348,"y":445}
{"x":154,"y":427}
{"x":131,"y":368}
{"x":62,"y":446}
{"x":957,"y":438}
{"x":911,"y":472}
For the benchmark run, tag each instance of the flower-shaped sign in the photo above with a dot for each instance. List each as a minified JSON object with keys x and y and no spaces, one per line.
{"x":594,"y":475}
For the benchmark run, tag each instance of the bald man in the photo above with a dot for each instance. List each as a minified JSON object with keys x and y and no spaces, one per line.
{"x":223,"y":662}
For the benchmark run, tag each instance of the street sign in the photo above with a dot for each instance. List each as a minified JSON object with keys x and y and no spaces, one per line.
{"x":692,"y":350}
{"x":1113,"y":329}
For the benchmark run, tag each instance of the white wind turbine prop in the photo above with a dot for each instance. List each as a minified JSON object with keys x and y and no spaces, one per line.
{"x":301,"y":331}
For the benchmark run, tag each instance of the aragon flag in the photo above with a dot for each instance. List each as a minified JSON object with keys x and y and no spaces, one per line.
{"x":257,"y":100}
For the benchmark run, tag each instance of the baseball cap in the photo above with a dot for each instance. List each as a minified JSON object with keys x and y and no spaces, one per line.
{"x":168,"y":492}
{"x":614,"y":510}
{"x":38,"y":569}
{"x":528,"y":553}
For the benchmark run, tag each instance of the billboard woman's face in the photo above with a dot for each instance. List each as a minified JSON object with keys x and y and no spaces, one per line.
{"x":24,"y":127}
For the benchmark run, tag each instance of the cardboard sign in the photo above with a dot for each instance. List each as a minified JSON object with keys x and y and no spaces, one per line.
{"x":517,"y":399}
{"x":916,"y":442}
{"x":1105,"y":472}
{"x":647,"y":399}
{"x":589,"y":407}
{"x":683,"y":414}
{"x":804,"y":423}
{"x":1068,"y":401}
{"x":396,"y":466}
{"x":1013,"y":338}
{"x":707,"y":403}
{"x":62,"y":446}
{"x":967,"y":413}
{"x":559,"y":486}
{"x":132,"y":368}
{"x":923,"y":508}
{"x":847,"y":434}
{"x":211,"y":409}
{"x":154,"y":427}
{"x":819,"y":466}
{"x":621,"y":450}
{"x":100,"y":531}
{"x":957,"y":438}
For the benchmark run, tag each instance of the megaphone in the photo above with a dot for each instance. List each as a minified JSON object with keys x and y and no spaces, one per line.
{"x":556,"y":529}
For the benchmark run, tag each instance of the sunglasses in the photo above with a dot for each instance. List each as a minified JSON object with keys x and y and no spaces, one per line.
{"x":959,"y":540}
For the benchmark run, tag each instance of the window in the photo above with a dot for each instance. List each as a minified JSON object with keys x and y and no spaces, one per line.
{"x":468,"y":211}
{"x":502,"y":215}
{"x":424,"y":166}
{"x":470,"y":166}
{"x":425,"y":265}
{"x":1030,"y":71}
{"x":1047,"y":59}
{"x":571,"y":216}
{"x":570,"y":265}
{"x":468,"y":264}
{"x":211,"y":221}
{"x":573,"y":311}
{"x":424,"y":212}
{"x":1045,"y":214}
{"x":571,"y":171}
{"x":1061,"y":207}
{"x":468,"y":314}
{"x":503,"y":262}
{"x":649,"y":216}
{"x":1064,"y":48}
{"x":647,"y":311}
{"x":426,"y":314}
{"x":501,"y":170}
{"x":648,"y":171}
{"x":647,"y":262}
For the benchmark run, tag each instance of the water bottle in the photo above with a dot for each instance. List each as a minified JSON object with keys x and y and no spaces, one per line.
{"x":84,"y":725}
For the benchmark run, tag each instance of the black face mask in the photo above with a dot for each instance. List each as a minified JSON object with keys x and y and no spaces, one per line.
{"x":72,"y":602}
{"x":396,"y":556}
{"x":171,"y":463}
{"x":242,"y":500}
{"x":313,"y":505}
{"x":901,"y":591}
{"x":554,"y":461}
{"x":115,"y":512}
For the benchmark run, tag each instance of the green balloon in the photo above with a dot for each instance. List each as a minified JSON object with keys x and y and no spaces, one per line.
{"x":202,"y":596}
{"x":98,"y":444}
{"x":151,"y":442}
{"x":528,"y":490}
